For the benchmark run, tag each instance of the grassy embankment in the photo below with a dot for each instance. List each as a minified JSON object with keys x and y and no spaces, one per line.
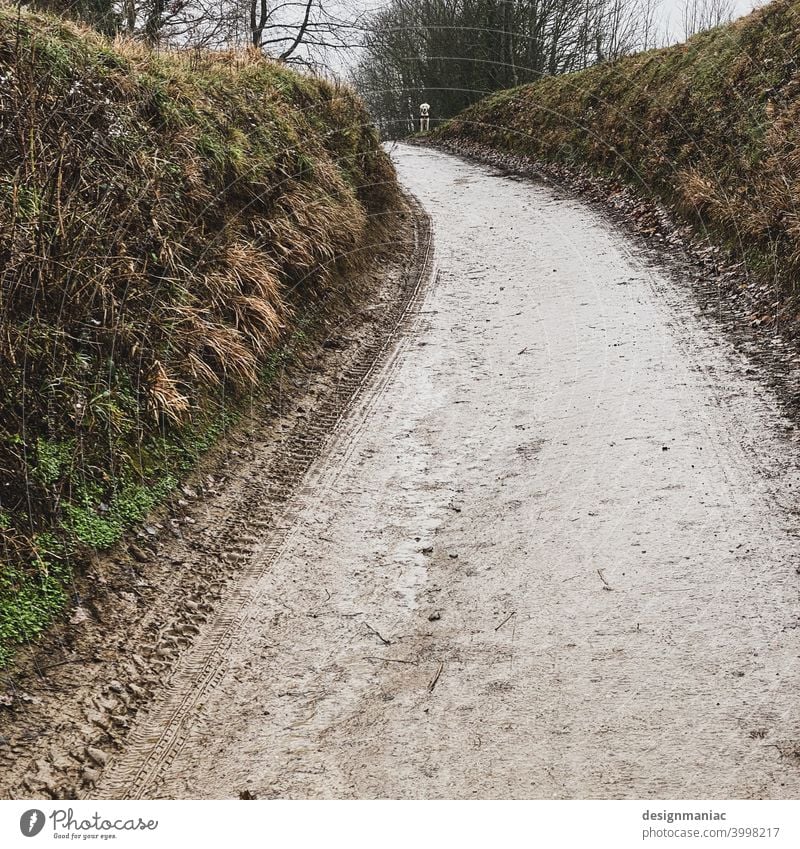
{"x":710,"y":129}
{"x":167,"y":223}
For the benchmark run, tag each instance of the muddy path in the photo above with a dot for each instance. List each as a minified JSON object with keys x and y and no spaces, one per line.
{"x":550,"y":552}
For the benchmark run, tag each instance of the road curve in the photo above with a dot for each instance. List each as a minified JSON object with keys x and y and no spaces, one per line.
{"x":550,"y":553}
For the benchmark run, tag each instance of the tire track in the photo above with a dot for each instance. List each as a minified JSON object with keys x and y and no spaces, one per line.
{"x":158,"y":738}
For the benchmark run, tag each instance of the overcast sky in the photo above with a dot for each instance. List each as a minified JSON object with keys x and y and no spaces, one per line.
{"x":670,"y":14}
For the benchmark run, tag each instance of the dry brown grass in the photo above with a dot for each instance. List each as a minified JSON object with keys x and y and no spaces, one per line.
{"x":165,"y":222}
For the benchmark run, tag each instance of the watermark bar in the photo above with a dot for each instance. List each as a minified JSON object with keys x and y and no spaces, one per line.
{"x":373,"y":824}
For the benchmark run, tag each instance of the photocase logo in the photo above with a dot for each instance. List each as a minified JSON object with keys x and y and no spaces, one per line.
{"x":66,"y":824}
{"x":31,"y":822}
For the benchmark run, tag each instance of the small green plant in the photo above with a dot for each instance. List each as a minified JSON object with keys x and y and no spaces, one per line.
{"x":30,"y":599}
{"x":53,"y":459}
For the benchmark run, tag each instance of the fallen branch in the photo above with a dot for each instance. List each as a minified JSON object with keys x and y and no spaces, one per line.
{"x":513,"y":613}
{"x":390,"y":660}
{"x":435,"y":678}
{"x":378,"y":635}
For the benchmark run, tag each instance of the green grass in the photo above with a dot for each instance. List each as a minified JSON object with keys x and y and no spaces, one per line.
{"x":96,"y":519}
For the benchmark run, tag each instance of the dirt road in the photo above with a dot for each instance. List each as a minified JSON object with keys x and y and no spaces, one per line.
{"x":550,"y":553}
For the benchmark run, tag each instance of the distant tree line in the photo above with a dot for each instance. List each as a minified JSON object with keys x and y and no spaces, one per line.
{"x":446,"y":52}
{"x":451,"y":53}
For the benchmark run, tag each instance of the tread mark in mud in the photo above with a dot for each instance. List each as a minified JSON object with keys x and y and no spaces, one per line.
{"x":205,"y":671}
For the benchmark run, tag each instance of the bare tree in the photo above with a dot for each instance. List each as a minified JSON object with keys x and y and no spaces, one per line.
{"x":290,"y":30}
{"x":649,"y":32}
{"x":699,"y":15}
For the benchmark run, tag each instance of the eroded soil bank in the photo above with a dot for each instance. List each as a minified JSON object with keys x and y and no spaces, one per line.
{"x":550,"y":553}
